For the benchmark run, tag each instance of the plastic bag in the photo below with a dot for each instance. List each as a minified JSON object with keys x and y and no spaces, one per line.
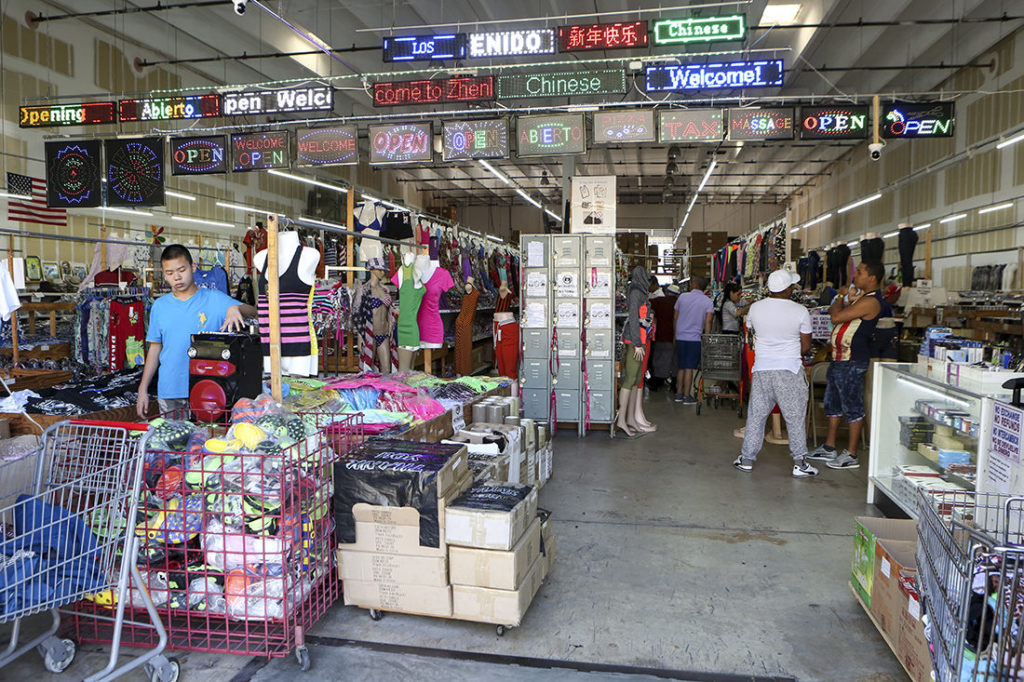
{"x":227,"y":550}
{"x":169,"y":435}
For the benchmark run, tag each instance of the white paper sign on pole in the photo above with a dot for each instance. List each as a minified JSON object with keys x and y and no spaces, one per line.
{"x":593,"y":204}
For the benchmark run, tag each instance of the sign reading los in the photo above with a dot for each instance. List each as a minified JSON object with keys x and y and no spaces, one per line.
{"x":912,"y":119}
{"x":425,"y":48}
{"x":260,"y":151}
{"x":699,"y":30}
{"x":600,"y":82}
{"x":512,"y":43}
{"x":169,"y":108}
{"x":479,"y":139}
{"x":554,"y":134}
{"x":762,"y":73}
{"x":761,"y":124}
{"x":311,"y":98}
{"x":630,"y":125}
{"x":458,"y":89}
{"x":619,"y":35}
{"x":335,"y":146}
{"x":691,"y":125}
{"x":51,"y":115}
{"x":834,"y":122}
{"x":401,"y":143}
{"x":198,"y":155}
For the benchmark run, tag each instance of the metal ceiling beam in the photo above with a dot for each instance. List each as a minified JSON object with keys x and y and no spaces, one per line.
{"x":34,"y":19}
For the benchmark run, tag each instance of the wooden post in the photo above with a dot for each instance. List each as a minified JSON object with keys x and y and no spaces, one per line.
{"x":350,"y":362}
{"x":14,"y":316}
{"x":928,"y":255}
{"x":274,"y":304}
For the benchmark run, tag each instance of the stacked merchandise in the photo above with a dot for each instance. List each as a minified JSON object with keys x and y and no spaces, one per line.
{"x":909,"y":479}
{"x":86,"y":396}
{"x":915,"y":431}
{"x":700,"y":247}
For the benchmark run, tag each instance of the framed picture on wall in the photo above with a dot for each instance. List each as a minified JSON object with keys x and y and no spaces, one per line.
{"x":51,"y":271}
{"x":33,"y":269}
{"x":79,"y":271}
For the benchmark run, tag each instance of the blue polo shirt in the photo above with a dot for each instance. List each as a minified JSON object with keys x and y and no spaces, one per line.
{"x":172,"y":323}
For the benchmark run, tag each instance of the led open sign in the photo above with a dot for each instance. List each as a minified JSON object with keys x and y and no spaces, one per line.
{"x":458,"y":89}
{"x":630,"y":125}
{"x":400,"y":143}
{"x":481,"y":139}
{"x":334,"y":146}
{"x":602,"y":36}
{"x":198,"y":155}
{"x":555,"y":134}
{"x":260,"y":151}
{"x":699,"y":30}
{"x":51,"y":115}
{"x":691,"y":125}
{"x":761,"y":73}
{"x":424,"y":48}
{"x":169,"y":108}
{"x":761,"y":124}
{"x":912,"y":119}
{"x":512,"y":43}
{"x":833,"y":122}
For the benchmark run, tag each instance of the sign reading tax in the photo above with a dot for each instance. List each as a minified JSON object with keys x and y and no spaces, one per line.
{"x":480,"y":139}
{"x":198,"y":155}
{"x":259,"y":151}
{"x":424,"y":48}
{"x":761,"y":73}
{"x":401,"y":143}
{"x":135,"y":171}
{"x":699,"y":30}
{"x":169,"y":108}
{"x":834,"y":122}
{"x":309,"y":98}
{"x":433,"y":91}
{"x":629,"y":125}
{"x":73,"y":174}
{"x":599,"y":82}
{"x":913,"y":119}
{"x":761,"y":124}
{"x":52,"y":115}
{"x":691,"y":125}
{"x":335,"y":146}
{"x":551,"y":134}
{"x":602,"y":36}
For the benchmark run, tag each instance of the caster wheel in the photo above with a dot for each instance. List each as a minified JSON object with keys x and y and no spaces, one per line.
{"x":166,"y":671}
{"x":376,"y":614}
{"x":500,"y":630}
{"x":59,"y":665}
{"x":302,"y":654}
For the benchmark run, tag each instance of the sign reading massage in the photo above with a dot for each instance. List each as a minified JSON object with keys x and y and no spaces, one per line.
{"x":309,"y":98}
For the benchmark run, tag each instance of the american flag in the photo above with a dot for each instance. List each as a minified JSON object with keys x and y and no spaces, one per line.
{"x":27,"y":202}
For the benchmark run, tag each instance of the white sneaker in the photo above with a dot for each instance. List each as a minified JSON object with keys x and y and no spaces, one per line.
{"x":822,"y":455}
{"x":845,"y":460}
{"x":801,"y":469}
{"x":746,"y":465}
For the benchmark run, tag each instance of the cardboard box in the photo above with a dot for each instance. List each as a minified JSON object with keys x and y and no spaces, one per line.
{"x":419,"y":599}
{"x":454,"y":469}
{"x":475,"y":437}
{"x":547,"y":541}
{"x":893,"y":559}
{"x":911,"y":645}
{"x":544,"y":464}
{"x":490,"y":529}
{"x":491,"y":568}
{"x":500,"y":607}
{"x":865,"y":536}
{"x":379,"y":567}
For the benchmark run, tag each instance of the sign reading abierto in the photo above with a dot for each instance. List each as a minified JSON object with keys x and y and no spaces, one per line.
{"x":834,"y":122}
{"x":424,"y":48}
{"x":691,"y":125}
{"x":52,"y":115}
{"x":480,"y":139}
{"x":311,"y":98}
{"x":913,"y":119}
{"x":630,"y":125}
{"x":512,"y":43}
{"x":620,"y":35}
{"x":401,"y":143}
{"x":335,"y":146}
{"x":761,"y":73}
{"x":169,"y":108}
{"x":439,"y":91}
{"x":198,"y":155}
{"x":761,"y":124}
{"x":260,"y":151}
{"x":699,"y":30}
{"x":551,"y":134}
{"x":568,"y":84}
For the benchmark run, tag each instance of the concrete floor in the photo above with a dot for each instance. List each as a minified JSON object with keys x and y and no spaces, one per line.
{"x":671,"y":564}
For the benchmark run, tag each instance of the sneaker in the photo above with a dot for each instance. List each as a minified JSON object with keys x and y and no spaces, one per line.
{"x":743,"y":464}
{"x":823,"y":455}
{"x":801,"y":469}
{"x":689,"y":400}
{"x":845,"y":460}
{"x":679,"y":397}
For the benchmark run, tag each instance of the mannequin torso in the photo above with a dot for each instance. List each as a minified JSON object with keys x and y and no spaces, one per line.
{"x":305,"y":272}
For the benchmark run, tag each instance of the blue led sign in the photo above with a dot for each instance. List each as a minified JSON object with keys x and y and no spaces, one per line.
{"x":763,"y":73}
{"x":425,"y":48}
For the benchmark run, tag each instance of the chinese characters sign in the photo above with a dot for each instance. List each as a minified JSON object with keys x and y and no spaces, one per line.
{"x":602,"y":36}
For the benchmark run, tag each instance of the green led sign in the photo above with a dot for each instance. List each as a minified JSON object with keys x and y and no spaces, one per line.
{"x":567,"y":84}
{"x":699,"y":30}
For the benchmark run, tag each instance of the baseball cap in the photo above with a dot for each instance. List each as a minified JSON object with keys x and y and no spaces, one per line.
{"x":780,"y":280}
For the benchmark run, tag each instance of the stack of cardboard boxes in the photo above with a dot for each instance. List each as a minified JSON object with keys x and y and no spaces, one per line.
{"x":700,"y":247}
{"x":506,"y":448}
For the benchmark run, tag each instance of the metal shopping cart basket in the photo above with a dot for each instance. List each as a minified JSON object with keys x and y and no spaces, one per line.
{"x":721,"y":359}
{"x":971,"y":580}
{"x":63,"y":515}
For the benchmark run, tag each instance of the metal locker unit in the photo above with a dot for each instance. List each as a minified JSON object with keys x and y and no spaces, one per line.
{"x":601,"y":344}
{"x":536,"y":403}
{"x":536,"y":343}
{"x":535,"y":373}
{"x":535,"y":319}
{"x":567,"y":404}
{"x":602,"y":405}
{"x":601,"y":375}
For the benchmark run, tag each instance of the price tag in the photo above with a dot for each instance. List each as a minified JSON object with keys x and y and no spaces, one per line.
{"x":886,"y":567}
{"x":914,"y":608}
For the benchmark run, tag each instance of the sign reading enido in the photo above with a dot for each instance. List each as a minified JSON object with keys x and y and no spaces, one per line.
{"x":600,"y":82}
{"x":833,"y":122}
{"x":424,"y":48}
{"x":691,"y":125}
{"x":602,"y":36}
{"x":761,"y":73}
{"x":480,"y":139}
{"x":699,"y":30}
{"x":260,"y":151}
{"x":512,"y":43}
{"x":169,"y":108}
{"x":554,"y":134}
{"x":457,"y":89}
{"x":310,"y":98}
{"x":52,"y":115}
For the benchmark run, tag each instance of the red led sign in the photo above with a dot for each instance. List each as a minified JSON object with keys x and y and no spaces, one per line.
{"x":438,"y":91}
{"x":50,"y":115}
{"x":602,"y":36}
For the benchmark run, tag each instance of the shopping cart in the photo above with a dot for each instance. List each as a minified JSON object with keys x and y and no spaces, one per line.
{"x":64,"y":515}
{"x":970,"y":560}
{"x":720,"y":361}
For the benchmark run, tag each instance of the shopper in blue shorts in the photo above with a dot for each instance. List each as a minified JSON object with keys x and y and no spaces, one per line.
{"x":693,"y":314}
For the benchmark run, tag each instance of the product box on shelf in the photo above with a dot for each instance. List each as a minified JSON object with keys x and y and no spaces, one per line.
{"x":544,"y":464}
{"x":380,"y":567}
{"x":501,"y":607}
{"x":491,"y":516}
{"x":422,"y":600}
{"x":894,"y":559}
{"x":868,"y":530}
{"x":495,"y":439}
{"x":493,"y":568}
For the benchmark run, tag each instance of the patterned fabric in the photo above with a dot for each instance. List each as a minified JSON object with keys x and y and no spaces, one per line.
{"x":296,"y":300}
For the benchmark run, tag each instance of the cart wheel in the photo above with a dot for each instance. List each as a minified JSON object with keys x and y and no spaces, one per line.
{"x":500,"y":630}
{"x":164,"y":670}
{"x":57,"y":661}
{"x":376,"y":614}
{"x":302,"y":654}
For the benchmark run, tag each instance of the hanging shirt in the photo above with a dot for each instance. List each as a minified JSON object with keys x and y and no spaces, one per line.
{"x":9,"y":301}
{"x":214,"y":278}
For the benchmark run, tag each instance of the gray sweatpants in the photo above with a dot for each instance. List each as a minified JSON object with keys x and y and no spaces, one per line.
{"x":789,"y":391}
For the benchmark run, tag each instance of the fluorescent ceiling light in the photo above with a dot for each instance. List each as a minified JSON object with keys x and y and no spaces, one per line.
{"x":553,"y":214}
{"x":890,"y":235}
{"x":1013,"y":140}
{"x":179,"y":195}
{"x":952,"y":218}
{"x":998,"y":207}
{"x":860,"y":202}
{"x":818,"y":219}
{"x":704,"y":180}
{"x":369,"y":197}
{"x":583,"y":107}
{"x":129,"y":211}
{"x":495,"y":172}
{"x":199,"y":221}
{"x":922,"y":227}
{"x":794,"y":230}
{"x":321,"y":222}
{"x":237,"y":207}
{"x":493,"y":238}
{"x":528,"y":198}
{"x":780,"y":14}
{"x":308,"y":181}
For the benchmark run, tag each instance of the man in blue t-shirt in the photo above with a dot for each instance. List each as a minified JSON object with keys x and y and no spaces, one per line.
{"x":175,"y":317}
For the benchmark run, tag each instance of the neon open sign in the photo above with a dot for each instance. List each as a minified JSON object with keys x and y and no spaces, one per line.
{"x":169,"y":108}
{"x":600,"y":82}
{"x":602,"y":36}
{"x":312,"y":98}
{"x":699,"y":30}
{"x":480,"y":139}
{"x":834,"y":122}
{"x":401,"y":143}
{"x":761,"y":124}
{"x":425,"y":48}
{"x":327,"y":146}
{"x":558,"y":134}
{"x":631,"y":125}
{"x":906,"y":119}
{"x":762,"y":73}
{"x":259,"y":151}
{"x":691,"y":125}
{"x":458,"y":89}
{"x":51,"y":115}
{"x":512,"y":43}
{"x":198,"y":155}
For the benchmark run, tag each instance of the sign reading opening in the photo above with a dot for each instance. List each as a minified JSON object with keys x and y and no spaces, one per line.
{"x":53,"y":115}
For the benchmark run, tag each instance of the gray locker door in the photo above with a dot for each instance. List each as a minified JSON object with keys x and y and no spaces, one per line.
{"x":568,"y":405}
{"x":601,"y":374}
{"x":601,"y":344}
{"x":536,"y":310}
{"x":566,"y":251}
{"x":537,"y":343}
{"x":539,"y":253}
{"x":601,"y":313}
{"x":600,"y":251}
{"x":568,"y":375}
{"x":535,"y":373}
{"x":536,"y":404}
{"x":568,"y":312}
{"x":601,"y":406}
{"x":568,"y":343}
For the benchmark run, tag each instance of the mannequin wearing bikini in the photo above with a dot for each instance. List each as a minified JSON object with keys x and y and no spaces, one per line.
{"x":383,"y":321}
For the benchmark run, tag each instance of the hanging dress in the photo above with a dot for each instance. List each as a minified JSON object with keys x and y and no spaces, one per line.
{"x":296,"y":320}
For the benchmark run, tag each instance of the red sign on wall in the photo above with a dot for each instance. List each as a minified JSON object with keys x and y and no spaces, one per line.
{"x":438,"y":91}
{"x":602,"y":36}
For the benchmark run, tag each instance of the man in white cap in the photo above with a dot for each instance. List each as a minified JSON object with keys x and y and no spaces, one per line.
{"x":782,"y":333}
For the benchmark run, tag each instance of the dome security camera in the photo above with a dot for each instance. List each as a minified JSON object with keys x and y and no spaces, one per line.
{"x":875,"y":150}
{"x":239,"y":6}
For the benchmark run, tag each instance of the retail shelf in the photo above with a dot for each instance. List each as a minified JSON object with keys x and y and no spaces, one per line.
{"x":957,"y":432}
{"x":946,"y":475}
{"x":884,"y":484}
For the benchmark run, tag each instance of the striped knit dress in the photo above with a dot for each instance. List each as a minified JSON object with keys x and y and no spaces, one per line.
{"x":296,"y":300}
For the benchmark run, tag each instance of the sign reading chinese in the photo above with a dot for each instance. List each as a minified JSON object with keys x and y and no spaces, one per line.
{"x":260,"y":151}
{"x":598,"y":82}
{"x":551,"y":134}
{"x":630,"y":125}
{"x":424,"y":48}
{"x":73,"y":174}
{"x":458,"y":89}
{"x":135,"y":171}
{"x":512,"y":43}
{"x":401,"y":143}
{"x":169,"y":108}
{"x":834,"y":122}
{"x":335,"y":146}
{"x":52,"y":115}
{"x":911,"y":119}
{"x":691,"y":125}
{"x":699,"y":30}
{"x":761,"y":124}
{"x":198,"y":155}
{"x":602,"y":36}
{"x":593,"y":204}
{"x":480,"y":139}
{"x":309,"y":98}
{"x":761,"y":73}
